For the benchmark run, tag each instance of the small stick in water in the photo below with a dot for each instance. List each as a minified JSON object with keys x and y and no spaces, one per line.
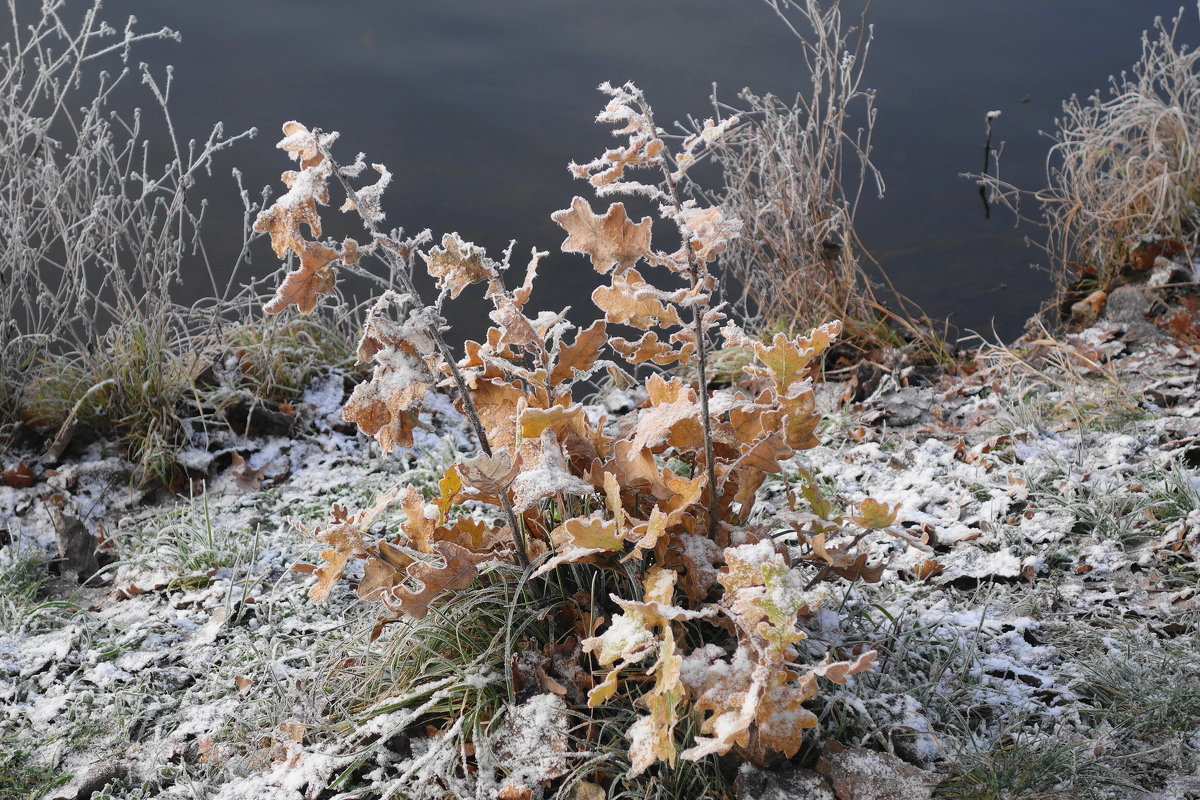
{"x":987,"y":163}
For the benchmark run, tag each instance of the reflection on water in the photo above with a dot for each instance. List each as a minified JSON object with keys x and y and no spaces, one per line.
{"x":477,"y":106}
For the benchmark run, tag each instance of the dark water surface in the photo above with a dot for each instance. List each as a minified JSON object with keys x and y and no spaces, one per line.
{"x":477,"y":106}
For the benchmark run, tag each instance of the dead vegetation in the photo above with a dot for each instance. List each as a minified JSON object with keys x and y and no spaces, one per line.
{"x":1122,"y":178}
{"x":102,"y":221}
{"x":661,"y":503}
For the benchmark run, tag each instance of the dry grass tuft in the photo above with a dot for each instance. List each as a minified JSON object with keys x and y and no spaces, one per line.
{"x":1124,"y":168}
{"x":797,"y":259}
{"x":795,"y":171}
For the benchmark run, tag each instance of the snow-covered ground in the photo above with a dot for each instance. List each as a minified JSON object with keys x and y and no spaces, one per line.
{"x":1048,"y":643}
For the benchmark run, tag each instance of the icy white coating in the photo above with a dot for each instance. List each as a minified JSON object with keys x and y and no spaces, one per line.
{"x":1062,"y":547}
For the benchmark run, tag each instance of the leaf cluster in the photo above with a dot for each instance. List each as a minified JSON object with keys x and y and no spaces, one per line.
{"x":662,"y":498}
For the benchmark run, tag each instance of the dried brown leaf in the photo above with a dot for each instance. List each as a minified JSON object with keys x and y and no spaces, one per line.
{"x":457,"y":264}
{"x":632,"y":301}
{"x":649,"y":348}
{"x":612,"y":240}
{"x":672,"y":419}
{"x":428,"y":580}
{"x":328,"y":574}
{"x":580,"y":355}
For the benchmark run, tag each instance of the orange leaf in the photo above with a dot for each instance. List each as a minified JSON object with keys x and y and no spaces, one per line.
{"x":448,"y":488}
{"x":300,"y":144}
{"x":428,"y":580}
{"x":580,"y":539}
{"x":406,"y":358}
{"x":611,"y":240}
{"x":496,"y":403}
{"x":580,"y":355}
{"x":673,"y":417}
{"x":632,"y":301}
{"x":326,"y":575}
{"x":708,"y":230}
{"x":535,"y":420}
{"x":417,"y":527}
{"x":875,"y":515}
{"x":786,"y":361}
{"x":649,"y":348}
{"x":457,"y":264}
{"x":492,"y":474}
{"x":20,"y":476}
{"x":379,"y":577}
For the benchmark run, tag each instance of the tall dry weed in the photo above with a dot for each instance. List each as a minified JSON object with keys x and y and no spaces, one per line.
{"x":794,"y":172}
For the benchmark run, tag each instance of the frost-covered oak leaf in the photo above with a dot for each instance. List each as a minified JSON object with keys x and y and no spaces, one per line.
{"x":580,"y":539}
{"x":785,"y":362}
{"x":303,"y":286}
{"x":405,"y":356}
{"x":384,"y":570}
{"x":876,"y":515}
{"x":649,"y":348}
{"x":419,"y":528}
{"x":533,"y":421}
{"x":307,"y":188}
{"x":800,"y":420}
{"x":708,"y":230}
{"x":301,"y":144}
{"x":579,"y":356}
{"x":760,"y":585}
{"x":370,"y":197}
{"x":545,"y":474}
{"x":328,"y":574}
{"x":629,"y":638}
{"x":612,"y":240}
{"x":738,"y":694}
{"x":635,"y":467}
{"x":673,"y":417}
{"x":764,"y":453}
{"x":632,"y":301}
{"x":652,"y":738}
{"x":425,"y":581}
{"x":346,"y":531}
{"x":457,"y":264}
{"x":491,"y":474}
{"x":496,"y":402}
{"x":845,"y":564}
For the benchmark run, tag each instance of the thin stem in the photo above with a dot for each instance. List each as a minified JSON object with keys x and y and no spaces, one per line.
{"x":698,"y":273}
{"x":406,"y":284}
{"x":518,"y":533}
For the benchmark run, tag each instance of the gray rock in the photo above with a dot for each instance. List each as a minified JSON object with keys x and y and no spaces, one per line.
{"x":1142,"y":332}
{"x":91,"y":781}
{"x":1129,"y":304}
{"x":782,"y":782}
{"x":1167,"y":271}
{"x":908,"y":729}
{"x":858,"y":774}
{"x":905,"y":407}
{"x":76,"y":546}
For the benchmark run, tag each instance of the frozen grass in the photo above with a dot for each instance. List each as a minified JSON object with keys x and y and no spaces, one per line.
{"x":20,"y":777}
{"x":794,"y":171}
{"x":1064,"y":686}
{"x":95,"y":232}
{"x":95,"y":342}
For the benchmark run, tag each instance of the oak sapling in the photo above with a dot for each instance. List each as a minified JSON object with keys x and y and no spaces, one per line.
{"x":662,"y":499}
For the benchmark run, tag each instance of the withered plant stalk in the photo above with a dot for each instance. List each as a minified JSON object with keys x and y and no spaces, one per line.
{"x":400,"y":272}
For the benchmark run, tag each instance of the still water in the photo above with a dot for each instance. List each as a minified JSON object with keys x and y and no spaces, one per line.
{"x":478,"y":105}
